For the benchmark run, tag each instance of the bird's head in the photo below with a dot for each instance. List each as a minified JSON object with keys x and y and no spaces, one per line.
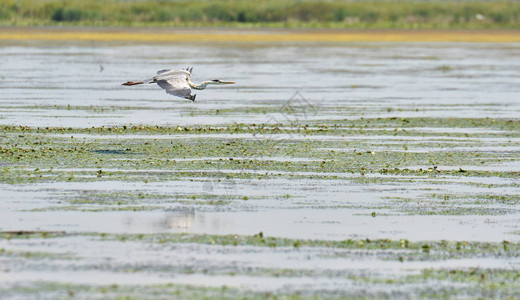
{"x":218,"y":81}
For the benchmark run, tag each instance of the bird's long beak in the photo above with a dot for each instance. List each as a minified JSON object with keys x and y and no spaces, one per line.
{"x":227,"y":82}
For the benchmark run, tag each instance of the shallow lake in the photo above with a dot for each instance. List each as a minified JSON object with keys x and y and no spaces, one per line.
{"x":344,"y":81}
{"x":411,"y":141}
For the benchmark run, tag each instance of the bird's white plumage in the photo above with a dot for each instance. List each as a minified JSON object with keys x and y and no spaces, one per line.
{"x":177,"y":82}
{"x":174,"y":82}
{"x":167,"y":72}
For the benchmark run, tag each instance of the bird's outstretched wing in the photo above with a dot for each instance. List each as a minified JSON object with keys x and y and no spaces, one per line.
{"x":175,"y":82}
{"x":175,"y":87}
{"x":163,"y":71}
{"x":167,"y":72}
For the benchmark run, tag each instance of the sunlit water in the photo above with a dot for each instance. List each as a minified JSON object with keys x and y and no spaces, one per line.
{"x":371,"y":80}
{"x":79,"y":85}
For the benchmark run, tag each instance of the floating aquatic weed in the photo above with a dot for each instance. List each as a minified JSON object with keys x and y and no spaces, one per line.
{"x":317,"y":160}
{"x":218,"y":183}
{"x":295,"y":111}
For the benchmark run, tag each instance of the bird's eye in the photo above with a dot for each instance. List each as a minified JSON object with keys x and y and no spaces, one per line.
{"x":216,"y":80}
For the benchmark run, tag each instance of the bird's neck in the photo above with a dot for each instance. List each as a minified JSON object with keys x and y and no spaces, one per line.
{"x":200,"y":86}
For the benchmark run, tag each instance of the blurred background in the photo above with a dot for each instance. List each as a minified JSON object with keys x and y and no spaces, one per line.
{"x":265,"y":13}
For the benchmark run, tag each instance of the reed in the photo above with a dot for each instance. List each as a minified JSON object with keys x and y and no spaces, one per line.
{"x":392,"y":14}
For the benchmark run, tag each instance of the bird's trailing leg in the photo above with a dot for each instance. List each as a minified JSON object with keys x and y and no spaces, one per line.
{"x":191,"y":97}
{"x":189,"y":69}
{"x":132,"y":83}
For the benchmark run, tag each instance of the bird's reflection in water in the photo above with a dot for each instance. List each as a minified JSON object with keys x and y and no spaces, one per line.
{"x":171,"y":221}
{"x":176,"y":221}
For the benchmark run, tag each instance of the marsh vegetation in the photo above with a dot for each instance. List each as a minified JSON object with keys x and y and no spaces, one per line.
{"x":268,"y":13}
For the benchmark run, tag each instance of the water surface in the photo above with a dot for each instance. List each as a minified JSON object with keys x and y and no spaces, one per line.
{"x":126,"y":189}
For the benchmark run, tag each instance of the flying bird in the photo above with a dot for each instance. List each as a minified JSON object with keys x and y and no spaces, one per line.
{"x":178,"y":82}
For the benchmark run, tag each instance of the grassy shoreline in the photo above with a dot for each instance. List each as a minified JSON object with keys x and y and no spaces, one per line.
{"x":253,"y":35}
{"x":394,"y":14}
